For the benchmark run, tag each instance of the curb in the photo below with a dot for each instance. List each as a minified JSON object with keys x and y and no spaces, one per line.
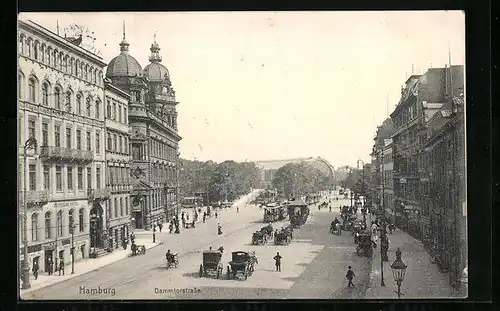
{"x":72,"y":276}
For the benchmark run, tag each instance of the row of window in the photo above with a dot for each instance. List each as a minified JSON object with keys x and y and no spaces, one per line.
{"x":74,"y":137}
{"x":163,"y":173}
{"x":161,"y":150}
{"x":115,"y":207}
{"x":61,"y":225}
{"x":118,"y":175}
{"x":117,"y":143}
{"x":68,"y":175}
{"x":59,"y":60}
{"x":406,"y":114}
{"x":116,"y":111}
{"x":57,"y":98}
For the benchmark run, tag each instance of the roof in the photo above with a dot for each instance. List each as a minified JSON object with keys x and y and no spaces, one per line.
{"x":156,"y":72}
{"x":211,"y":252}
{"x":123,"y":65}
{"x":276,"y":164}
{"x":297,"y":202}
{"x":237,"y":252}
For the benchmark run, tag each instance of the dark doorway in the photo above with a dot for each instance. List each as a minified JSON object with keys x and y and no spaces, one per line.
{"x":138,"y":220}
{"x":96,"y":226}
{"x":48,"y":254}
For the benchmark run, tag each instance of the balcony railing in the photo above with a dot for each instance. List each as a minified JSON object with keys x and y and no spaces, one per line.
{"x":35,"y":197}
{"x":66,"y":154}
{"x":101,"y":194}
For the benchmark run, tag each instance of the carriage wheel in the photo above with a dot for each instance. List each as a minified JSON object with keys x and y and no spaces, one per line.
{"x":245,"y":276}
{"x":201,"y":271}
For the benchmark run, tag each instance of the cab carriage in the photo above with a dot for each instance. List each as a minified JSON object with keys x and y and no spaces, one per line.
{"x":212,"y":264}
{"x":298,"y":212}
{"x":241,"y":266}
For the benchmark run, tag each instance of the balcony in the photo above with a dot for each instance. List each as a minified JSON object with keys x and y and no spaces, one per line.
{"x":99,"y":194}
{"x":66,"y":154}
{"x":35,"y":197}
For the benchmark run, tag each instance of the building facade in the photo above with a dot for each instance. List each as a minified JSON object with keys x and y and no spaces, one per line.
{"x":60,"y":95}
{"x":117,"y":165}
{"x":153,"y":135}
{"x":445,"y":181}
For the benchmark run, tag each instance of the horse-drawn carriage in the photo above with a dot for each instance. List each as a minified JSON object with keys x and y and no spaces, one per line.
{"x":336,"y":228}
{"x":241,"y":265}
{"x":357,"y":226}
{"x":365,"y":244}
{"x":272,"y":212}
{"x":259,"y":238}
{"x":212,"y":264}
{"x":284,"y":236}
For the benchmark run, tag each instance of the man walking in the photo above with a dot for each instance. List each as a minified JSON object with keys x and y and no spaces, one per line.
{"x":61,"y":265}
{"x":35,"y":268}
{"x":349,"y":276}
{"x":50,"y":265}
{"x":277,"y":260}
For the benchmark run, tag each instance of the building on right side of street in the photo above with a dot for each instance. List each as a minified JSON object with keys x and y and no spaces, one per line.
{"x":445,"y":175}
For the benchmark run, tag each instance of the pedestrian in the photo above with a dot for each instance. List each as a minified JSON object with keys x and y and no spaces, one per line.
{"x":237,"y":209}
{"x":216,"y":215}
{"x":204,"y":217}
{"x":50,"y":265}
{"x":61,"y":265}
{"x":160,"y":226}
{"x":277,"y":260}
{"x":349,"y":276}
{"x":171,"y":227}
{"x":132,"y":237}
{"x":35,"y":268}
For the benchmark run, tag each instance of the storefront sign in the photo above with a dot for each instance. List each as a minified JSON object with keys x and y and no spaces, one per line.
{"x":34,"y":248}
{"x":66,"y":241}
{"x":67,"y":204}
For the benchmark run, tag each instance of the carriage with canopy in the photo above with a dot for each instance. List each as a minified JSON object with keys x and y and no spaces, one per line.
{"x":212,"y":264}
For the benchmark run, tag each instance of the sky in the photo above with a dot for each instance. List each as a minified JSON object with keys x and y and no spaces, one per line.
{"x":280,"y":85}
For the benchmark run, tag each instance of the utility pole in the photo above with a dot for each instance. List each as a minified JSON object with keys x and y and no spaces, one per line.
{"x":72,"y":230}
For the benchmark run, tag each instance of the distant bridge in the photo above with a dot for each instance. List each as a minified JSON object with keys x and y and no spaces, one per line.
{"x":270,"y":167}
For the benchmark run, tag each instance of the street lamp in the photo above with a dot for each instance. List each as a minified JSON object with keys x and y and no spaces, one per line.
{"x":72,"y":231}
{"x":30,"y":144}
{"x":398,"y":271}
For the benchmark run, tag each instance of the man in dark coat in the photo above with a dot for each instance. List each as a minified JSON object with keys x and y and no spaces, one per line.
{"x":277,"y":260}
{"x":35,"y":269}
{"x":61,"y":265}
{"x":349,"y":276}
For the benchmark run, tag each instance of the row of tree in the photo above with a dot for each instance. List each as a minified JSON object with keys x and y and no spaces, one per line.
{"x":359,"y":181}
{"x":297,"y":179}
{"x":223,"y":181}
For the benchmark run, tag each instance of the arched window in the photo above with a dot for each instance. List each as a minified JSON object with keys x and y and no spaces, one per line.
{"x":45,"y":94}
{"x":68,"y":101}
{"x":48,"y":221}
{"x":72,"y":66}
{"x":20,"y":85}
{"x":42,"y":53}
{"x":57,"y":98}
{"x":29,"y":46}
{"x":88,"y":106}
{"x":34,"y":227}
{"x":35,"y":49}
{"x":21,"y":44}
{"x":71,"y":218}
{"x":59,"y":223}
{"x":32,"y":90}
{"x":95,"y":77}
{"x":56,"y":59}
{"x":97,"y":108}
{"x":79,"y":104}
{"x":80,"y":219}
{"x":85,"y":72}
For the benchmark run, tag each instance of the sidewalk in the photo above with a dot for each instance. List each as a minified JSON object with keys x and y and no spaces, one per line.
{"x":143,"y":237}
{"x":84,"y":266}
{"x":423,"y":280}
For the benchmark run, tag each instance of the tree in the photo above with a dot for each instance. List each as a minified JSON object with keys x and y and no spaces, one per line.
{"x":300,"y":179}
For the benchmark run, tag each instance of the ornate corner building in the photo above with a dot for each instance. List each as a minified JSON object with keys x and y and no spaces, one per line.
{"x":62,"y":192}
{"x":154,"y":141}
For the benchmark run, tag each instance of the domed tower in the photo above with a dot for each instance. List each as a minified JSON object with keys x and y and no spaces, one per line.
{"x":125,"y":72}
{"x":161,"y":94}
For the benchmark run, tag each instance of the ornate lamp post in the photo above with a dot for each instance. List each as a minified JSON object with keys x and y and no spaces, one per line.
{"x":30,"y":144}
{"x":72,"y":231}
{"x":398,"y":270}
